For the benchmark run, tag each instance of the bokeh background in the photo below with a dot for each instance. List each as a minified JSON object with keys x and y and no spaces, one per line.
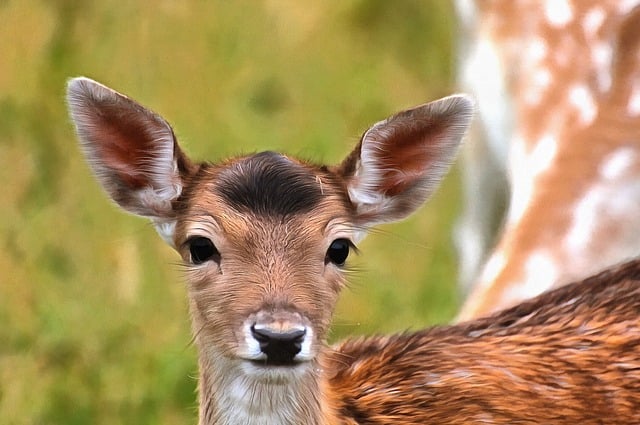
{"x":93,"y":319}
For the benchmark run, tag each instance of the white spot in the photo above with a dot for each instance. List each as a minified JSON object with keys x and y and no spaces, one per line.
{"x":633,"y":106}
{"x":625,"y":6}
{"x":493,"y":268}
{"x":601,"y":55}
{"x":582,"y":99}
{"x":537,"y":50}
{"x":538,"y":76}
{"x":584,"y":220}
{"x":541,"y":272}
{"x":540,"y":81}
{"x":524,"y":169}
{"x":604,"y":228}
{"x":542,"y":78}
{"x":617,"y":163}
{"x":592,"y":21}
{"x":558,"y":12}
{"x":543,"y":153}
{"x":521,"y":182}
{"x":606,"y":203}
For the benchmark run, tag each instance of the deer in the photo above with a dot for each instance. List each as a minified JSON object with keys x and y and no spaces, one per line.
{"x":558,"y":91}
{"x":265,"y":239}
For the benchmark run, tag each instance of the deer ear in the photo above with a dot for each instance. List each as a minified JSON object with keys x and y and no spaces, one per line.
{"x":132,"y":151}
{"x":400,"y":161}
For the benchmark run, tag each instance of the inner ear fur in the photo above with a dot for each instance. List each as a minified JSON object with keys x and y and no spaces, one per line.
{"x":132,"y":150}
{"x":400,"y":161}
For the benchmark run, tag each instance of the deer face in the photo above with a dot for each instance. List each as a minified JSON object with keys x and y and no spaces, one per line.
{"x":265,"y":237}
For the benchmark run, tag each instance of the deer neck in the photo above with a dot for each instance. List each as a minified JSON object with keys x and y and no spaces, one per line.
{"x":231,"y":394}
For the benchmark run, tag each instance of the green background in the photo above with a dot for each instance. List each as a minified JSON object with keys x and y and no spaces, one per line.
{"x":93,"y":320}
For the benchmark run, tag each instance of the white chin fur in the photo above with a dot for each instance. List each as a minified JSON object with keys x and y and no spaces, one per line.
{"x":274,"y":374}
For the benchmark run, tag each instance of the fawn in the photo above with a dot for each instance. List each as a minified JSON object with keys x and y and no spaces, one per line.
{"x":558,"y":89}
{"x":265,"y":238}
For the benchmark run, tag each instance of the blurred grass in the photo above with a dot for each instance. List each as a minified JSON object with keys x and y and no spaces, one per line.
{"x":93,"y":320}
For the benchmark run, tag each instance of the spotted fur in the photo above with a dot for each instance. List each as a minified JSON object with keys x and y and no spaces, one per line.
{"x":556,"y":83}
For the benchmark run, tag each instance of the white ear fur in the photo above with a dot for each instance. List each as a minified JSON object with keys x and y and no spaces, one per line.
{"x":403,"y":159}
{"x":130,"y":149}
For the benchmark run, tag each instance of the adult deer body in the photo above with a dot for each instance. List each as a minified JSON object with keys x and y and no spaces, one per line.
{"x":558,"y":89}
{"x":265,"y":238}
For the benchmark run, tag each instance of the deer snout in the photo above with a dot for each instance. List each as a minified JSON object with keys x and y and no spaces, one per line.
{"x":280,"y":347}
{"x":280,"y":339}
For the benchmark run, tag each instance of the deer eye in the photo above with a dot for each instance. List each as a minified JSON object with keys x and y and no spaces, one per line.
{"x":338,"y":252}
{"x":202,"y":249}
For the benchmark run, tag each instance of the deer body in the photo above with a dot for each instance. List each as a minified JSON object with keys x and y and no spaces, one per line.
{"x":561,"y":358}
{"x":559,"y":101}
{"x":265,"y":238}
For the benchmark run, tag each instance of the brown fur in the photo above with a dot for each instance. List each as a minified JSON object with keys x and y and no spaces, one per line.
{"x":568,"y":356}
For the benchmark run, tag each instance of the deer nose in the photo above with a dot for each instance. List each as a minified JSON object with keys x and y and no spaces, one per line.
{"x":280,"y":347}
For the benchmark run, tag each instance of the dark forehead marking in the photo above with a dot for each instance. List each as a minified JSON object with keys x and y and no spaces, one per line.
{"x":268,"y":183}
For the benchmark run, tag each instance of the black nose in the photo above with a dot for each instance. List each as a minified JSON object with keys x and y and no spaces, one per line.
{"x":279,"y":347}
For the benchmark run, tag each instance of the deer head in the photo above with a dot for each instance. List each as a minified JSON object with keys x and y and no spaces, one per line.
{"x":265,"y":236}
